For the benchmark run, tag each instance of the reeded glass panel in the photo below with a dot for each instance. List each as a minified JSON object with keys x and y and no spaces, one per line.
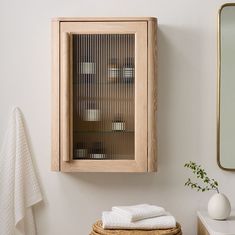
{"x":103,"y":96}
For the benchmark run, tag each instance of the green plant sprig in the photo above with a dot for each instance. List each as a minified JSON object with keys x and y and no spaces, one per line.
{"x":210,"y":184}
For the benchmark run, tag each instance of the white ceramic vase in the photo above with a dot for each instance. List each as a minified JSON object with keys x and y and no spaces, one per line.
{"x":219,"y":207}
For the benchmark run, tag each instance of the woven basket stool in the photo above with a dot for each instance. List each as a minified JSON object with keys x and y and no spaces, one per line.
{"x":98,"y":230}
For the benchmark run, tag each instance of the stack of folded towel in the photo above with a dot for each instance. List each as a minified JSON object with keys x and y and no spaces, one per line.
{"x":139,"y":219}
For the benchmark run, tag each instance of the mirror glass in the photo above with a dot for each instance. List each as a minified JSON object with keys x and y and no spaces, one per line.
{"x":226,"y":88}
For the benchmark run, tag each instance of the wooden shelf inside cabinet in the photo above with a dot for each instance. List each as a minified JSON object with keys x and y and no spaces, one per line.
{"x":104,"y":94}
{"x":104,"y":132}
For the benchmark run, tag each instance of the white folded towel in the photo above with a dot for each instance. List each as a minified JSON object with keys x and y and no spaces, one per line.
{"x":111,"y":220}
{"x":138,"y":212}
{"x":19,"y":188}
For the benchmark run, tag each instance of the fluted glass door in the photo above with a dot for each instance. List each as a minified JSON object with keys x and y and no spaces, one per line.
{"x":103,"y":74}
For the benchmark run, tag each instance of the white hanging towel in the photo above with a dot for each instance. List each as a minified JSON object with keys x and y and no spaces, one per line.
{"x":138,"y":212}
{"x":111,"y":220}
{"x":19,"y":188}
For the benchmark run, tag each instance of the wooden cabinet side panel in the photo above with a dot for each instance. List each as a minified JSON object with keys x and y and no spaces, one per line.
{"x":201,"y":230}
{"x":55,"y":114}
{"x":152,"y":96}
{"x":141,"y":97}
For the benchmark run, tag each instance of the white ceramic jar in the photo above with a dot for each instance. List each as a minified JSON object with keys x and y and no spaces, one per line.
{"x":219,"y":207}
{"x":92,"y":115}
{"x":118,"y":126}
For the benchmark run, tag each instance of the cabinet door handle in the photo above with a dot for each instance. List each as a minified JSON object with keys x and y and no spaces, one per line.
{"x":65,"y":95}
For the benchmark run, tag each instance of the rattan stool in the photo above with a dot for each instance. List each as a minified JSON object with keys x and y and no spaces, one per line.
{"x":98,"y":230}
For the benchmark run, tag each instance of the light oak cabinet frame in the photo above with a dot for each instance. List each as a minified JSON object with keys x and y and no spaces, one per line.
{"x":145,"y":161}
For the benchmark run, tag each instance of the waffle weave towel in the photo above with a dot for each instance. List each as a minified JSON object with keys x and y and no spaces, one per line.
{"x":19,"y":188}
{"x":111,"y":220}
{"x":138,"y":212}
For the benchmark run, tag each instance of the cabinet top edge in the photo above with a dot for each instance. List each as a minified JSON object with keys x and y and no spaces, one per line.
{"x":103,"y":19}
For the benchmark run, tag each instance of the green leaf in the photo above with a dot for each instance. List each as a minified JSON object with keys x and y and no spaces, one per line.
{"x":200,"y":173}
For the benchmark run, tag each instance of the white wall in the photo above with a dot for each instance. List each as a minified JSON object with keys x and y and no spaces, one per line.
{"x":186,"y":108}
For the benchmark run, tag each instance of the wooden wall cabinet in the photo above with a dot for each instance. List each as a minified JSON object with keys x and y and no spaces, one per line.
{"x":104,"y":94}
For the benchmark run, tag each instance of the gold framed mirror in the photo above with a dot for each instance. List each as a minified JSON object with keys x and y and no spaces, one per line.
{"x":226,"y":88}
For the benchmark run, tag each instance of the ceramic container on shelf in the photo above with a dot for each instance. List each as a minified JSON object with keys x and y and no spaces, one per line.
{"x":128,"y":70}
{"x":97,"y":151}
{"x":80,"y":151}
{"x":219,"y":207}
{"x":87,"y":68}
{"x":118,"y":124}
{"x":114,"y":70}
{"x":92,"y":113}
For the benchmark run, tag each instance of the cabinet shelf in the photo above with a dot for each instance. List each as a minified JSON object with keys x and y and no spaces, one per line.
{"x":103,"y":132}
{"x":107,"y":157}
{"x":98,"y":98}
{"x":108,"y":83}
